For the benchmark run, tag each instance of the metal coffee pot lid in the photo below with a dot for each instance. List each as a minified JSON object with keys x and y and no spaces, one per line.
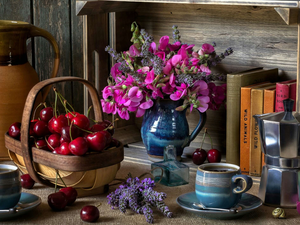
{"x":280,"y":131}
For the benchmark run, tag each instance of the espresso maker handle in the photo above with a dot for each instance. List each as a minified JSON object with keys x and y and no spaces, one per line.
{"x":246,"y":183}
{"x":36,"y":31}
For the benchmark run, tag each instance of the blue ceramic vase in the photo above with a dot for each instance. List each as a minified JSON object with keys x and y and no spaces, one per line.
{"x":163,"y":125}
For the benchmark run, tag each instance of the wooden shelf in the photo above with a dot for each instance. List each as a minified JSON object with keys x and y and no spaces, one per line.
{"x":91,"y":7}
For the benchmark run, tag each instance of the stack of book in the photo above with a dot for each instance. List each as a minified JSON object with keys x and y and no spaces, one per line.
{"x":249,"y":93}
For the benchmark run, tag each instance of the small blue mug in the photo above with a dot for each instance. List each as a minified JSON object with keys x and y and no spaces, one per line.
{"x":10,"y":186}
{"x":220,"y":185}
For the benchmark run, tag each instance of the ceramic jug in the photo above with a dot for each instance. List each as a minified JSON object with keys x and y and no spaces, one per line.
{"x":17,"y":76}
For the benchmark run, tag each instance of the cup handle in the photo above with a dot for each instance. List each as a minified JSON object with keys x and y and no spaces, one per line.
{"x":196,"y":131}
{"x":36,"y":31}
{"x":246,"y":183}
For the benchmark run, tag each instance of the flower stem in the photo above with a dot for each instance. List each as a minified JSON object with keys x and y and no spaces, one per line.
{"x":205,"y":132}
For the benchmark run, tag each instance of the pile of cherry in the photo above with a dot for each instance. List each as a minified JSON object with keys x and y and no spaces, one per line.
{"x":67,"y":134}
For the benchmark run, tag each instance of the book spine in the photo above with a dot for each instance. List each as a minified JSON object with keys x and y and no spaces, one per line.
{"x":292,"y":94}
{"x":282,"y":92}
{"x":269,"y":100}
{"x":255,"y":146}
{"x":245,"y":129}
{"x":232,"y":123}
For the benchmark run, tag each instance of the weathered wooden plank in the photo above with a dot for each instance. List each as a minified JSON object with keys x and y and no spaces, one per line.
{"x":76,"y":31}
{"x":53,"y":16}
{"x":93,"y":6}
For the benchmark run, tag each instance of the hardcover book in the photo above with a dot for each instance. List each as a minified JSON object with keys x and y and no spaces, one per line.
{"x":257,"y":103}
{"x":284,"y":90}
{"x":245,"y":119}
{"x":234,"y":83}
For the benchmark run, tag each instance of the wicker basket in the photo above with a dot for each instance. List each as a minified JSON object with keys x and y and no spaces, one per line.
{"x":89,"y":174}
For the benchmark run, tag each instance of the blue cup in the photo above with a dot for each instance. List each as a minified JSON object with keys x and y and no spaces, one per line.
{"x":10,"y":186}
{"x":220,"y":185}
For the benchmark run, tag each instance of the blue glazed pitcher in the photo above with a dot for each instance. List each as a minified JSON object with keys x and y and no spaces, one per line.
{"x":163,"y":125}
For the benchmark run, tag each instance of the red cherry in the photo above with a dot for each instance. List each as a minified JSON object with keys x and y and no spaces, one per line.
{"x":98,"y":127}
{"x":46,"y":114}
{"x":26,"y":181}
{"x":109,"y":124}
{"x":81,"y":121}
{"x":199,"y":156}
{"x":114,"y":142}
{"x":78,"y":146}
{"x":53,"y":141}
{"x":56,"y":150}
{"x":70,"y":115}
{"x":89,"y":213}
{"x":40,"y":128}
{"x":96,"y":141}
{"x":213,"y":156}
{"x":41,"y":144}
{"x":65,"y":133}
{"x":64,"y":149}
{"x":58,"y":123}
{"x":15,"y":130}
{"x":31,"y":125}
{"x":71,"y":194}
{"x":108,"y":136}
{"x":57,"y":201}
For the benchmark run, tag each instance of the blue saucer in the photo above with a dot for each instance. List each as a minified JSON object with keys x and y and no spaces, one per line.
{"x":248,"y":203}
{"x":26,"y":203}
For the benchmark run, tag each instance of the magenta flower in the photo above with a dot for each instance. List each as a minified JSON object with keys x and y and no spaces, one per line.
{"x":168,"y":71}
{"x":163,"y":43}
{"x":133,"y":51}
{"x":206,"y":49}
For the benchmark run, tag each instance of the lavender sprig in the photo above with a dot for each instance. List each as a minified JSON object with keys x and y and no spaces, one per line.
{"x":176,"y":35}
{"x":139,"y":196}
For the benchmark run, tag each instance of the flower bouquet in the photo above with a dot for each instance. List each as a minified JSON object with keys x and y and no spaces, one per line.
{"x":148,"y":71}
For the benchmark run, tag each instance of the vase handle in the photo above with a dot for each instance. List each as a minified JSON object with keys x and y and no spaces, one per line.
{"x":198,"y":128}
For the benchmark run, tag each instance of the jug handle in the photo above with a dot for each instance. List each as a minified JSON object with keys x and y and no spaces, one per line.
{"x":198,"y":128}
{"x":36,"y":31}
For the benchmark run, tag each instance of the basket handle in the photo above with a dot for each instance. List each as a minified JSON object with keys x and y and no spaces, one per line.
{"x":29,"y":108}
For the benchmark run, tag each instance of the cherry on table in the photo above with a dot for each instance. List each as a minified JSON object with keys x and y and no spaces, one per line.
{"x":199,"y":156}
{"x":213,"y":156}
{"x":89,"y":213}
{"x":57,"y":201}
{"x":26,"y":181}
{"x":71,"y":194}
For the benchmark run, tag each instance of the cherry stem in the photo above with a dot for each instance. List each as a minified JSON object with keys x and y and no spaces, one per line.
{"x":49,"y":144}
{"x":61,"y":178}
{"x":55,"y":181}
{"x":88,"y":112}
{"x":72,"y":109}
{"x":70,"y":130}
{"x":211,"y":143}
{"x":205,"y":132}
{"x":55,"y":102}
{"x":42,"y":103}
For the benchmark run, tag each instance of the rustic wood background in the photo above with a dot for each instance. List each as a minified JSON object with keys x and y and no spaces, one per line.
{"x":258,"y":36}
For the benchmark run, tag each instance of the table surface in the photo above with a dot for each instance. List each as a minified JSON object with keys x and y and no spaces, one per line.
{"x":136,"y":163}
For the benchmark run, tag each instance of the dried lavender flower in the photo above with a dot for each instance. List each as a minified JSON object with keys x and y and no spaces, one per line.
{"x":139,"y":196}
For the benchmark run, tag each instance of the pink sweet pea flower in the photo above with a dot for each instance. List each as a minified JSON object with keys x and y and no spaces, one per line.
{"x":203,"y":100}
{"x":140,"y":112}
{"x":152,"y":47}
{"x":135,"y":94}
{"x":163,"y":43}
{"x":115,"y":70}
{"x":205,"y":69}
{"x":175,"y":46}
{"x":206,"y":49}
{"x":176,"y":59}
{"x":108,"y":107}
{"x":167,"y":69}
{"x":123,"y":113}
{"x":160,"y":55}
{"x":107,"y":91}
{"x":150,"y":77}
{"x":200,"y":87}
{"x":168,"y":89}
{"x":133,"y":51}
{"x":183,"y":52}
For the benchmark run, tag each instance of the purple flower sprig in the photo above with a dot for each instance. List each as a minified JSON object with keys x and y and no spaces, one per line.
{"x":140,"y":197}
